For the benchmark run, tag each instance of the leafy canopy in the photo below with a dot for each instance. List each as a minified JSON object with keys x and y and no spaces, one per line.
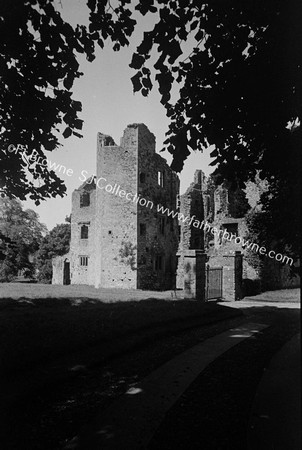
{"x":20,"y":236}
{"x":239,"y":88}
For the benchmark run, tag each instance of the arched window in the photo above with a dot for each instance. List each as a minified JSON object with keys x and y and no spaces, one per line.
{"x":84,"y":232}
{"x":162,"y":225}
{"x":84,"y":199}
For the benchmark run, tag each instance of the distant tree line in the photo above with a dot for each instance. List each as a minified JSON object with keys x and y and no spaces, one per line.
{"x":26,"y":246}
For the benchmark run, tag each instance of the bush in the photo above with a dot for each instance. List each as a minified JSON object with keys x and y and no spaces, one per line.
{"x":45,"y":272}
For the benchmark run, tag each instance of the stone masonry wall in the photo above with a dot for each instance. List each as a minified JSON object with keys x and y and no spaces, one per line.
{"x":194,"y":274}
{"x":232,"y":275}
{"x":135,"y":248}
{"x":58,"y":269}
{"x":157,"y":239}
{"x":130,"y":244}
{"x":192,"y":206}
{"x":116,"y":217}
{"x":83,"y":215}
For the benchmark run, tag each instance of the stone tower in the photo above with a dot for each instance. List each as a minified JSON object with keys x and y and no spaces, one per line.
{"x":119,"y":237}
{"x":136,"y":246}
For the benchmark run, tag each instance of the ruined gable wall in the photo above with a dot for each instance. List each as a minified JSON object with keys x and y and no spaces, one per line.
{"x":116,"y":218}
{"x":230,"y":206}
{"x":191,"y":204}
{"x":230,"y":203}
{"x":159,"y":240}
{"x":208,"y":199}
{"x":221,"y":202}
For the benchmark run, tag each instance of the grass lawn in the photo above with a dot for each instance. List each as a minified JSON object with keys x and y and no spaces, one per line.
{"x":41,"y":323}
{"x":41,"y":291}
{"x":282,"y":295}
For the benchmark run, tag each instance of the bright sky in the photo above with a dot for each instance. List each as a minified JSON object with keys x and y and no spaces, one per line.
{"x":109,"y":105}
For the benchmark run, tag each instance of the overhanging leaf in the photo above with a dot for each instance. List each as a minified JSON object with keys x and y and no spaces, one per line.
{"x":67,"y":132}
{"x":137,"y":61}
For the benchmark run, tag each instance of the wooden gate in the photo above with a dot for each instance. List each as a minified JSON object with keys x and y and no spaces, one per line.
{"x":214,"y":283}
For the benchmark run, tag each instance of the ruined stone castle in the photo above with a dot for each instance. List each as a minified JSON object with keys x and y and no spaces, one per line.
{"x":118,"y":239}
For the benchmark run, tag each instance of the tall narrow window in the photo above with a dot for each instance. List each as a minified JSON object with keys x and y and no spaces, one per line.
{"x":142,"y":177}
{"x":84,"y":232}
{"x":158,"y":262}
{"x":169,"y":264}
{"x":160,"y":178}
{"x":162,"y":225}
{"x":142,"y":229}
{"x":84,"y":199}
{"x":207,"y":204}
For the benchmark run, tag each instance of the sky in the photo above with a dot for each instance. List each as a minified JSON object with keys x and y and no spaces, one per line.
{"x":108,"y":106}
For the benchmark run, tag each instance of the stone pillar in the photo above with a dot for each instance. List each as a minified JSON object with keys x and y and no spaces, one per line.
{"x":194,"y":274}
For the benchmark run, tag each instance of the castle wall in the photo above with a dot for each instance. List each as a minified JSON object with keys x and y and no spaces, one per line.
{"x":157,"y":233}
{"x":130,"y":243}
{"x":116,"y":217}
{"x":81,"y":248}
{"x":191,"y":237}
{"x":135,"y":247}
{"x":57,"y":270}
{"x":232,"y":274}
{"x":126,"y":242}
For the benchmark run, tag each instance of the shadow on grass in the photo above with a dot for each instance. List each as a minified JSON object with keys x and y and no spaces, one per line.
{"x":38,"y":331}
{"x":54,"y":410}
{"x":144,"y":303}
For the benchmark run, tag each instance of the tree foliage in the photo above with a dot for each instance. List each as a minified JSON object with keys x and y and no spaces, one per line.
{"x":38,"y":63}
{"x":239,"y":87}
{"x":277,"y":225}
{"x":20,"y":234}
{"x":56,"y":243}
